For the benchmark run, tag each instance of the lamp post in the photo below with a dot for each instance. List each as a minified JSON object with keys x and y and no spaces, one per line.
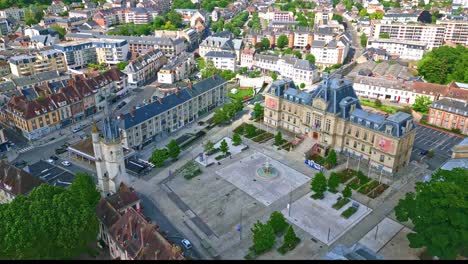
{"x":380,"y":177}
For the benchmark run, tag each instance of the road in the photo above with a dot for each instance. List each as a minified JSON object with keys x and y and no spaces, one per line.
{"x":152,"y":211}
{"x":356,"y":43}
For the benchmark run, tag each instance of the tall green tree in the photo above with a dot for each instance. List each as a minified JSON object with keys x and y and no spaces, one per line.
{"x":290,"y":238}
{"x":439,"y":213}
{"x":347,"y":192}
{"x":224,"y":147}
{"x":265,"y":43}
{"x":208,"y":146}
{"x":278,"y":222}
{"x":363,"y":40}
{"x":158,"y":157}
{"x":250,"y":131}
{"x":319,"y":184}
{"x":278,"y":138}
{"x":444,"y":65}
{"x":236,"y":139}
{"x":282,"y":41}
{"x":51,"y":222}
{"x":333,"y":182}
{"x":173,"y":149}
{"x":258,"y":111}
{"x":61,"y":31}
{"x":121,"y":65}
{"x":422,"y":103}
{"x":330,"y":160}
{"x":311,"y":58}
{"x":263,"y":237}
{"x":219,"y":116}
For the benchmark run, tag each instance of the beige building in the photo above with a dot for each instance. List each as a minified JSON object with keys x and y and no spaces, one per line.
{"x":332,"y":117}
{"x":44,"y":61}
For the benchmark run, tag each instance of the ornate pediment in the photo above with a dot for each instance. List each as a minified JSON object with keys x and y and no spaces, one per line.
{"x":319,"y":103}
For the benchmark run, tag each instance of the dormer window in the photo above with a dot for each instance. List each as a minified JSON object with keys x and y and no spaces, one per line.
{"x":388,"y":130}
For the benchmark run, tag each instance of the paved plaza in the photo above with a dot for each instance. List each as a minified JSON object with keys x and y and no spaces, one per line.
{"x":320,"y":220}
{"x":234,"y":150}
{"x":379,"y":236}
{"x":242,"y":174}
{"x":432,"y":139}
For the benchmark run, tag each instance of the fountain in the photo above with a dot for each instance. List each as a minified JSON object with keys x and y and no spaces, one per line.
{"x":267,"y":171}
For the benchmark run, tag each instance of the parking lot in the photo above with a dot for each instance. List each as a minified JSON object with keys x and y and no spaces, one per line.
{"x":431,"y":139}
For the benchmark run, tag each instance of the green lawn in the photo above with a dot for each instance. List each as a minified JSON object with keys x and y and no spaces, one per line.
{"x":385,"y":108}
{"x":241,"y":93}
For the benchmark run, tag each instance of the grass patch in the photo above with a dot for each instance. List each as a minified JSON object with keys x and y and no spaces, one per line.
{"x":263,"y":137}
{"x":349,"y":212}
{"x":285,"y":248}
{"x":354,"y":184}
{"x":339,"y":204}
{"x":365,"y":189}
{"x":240,"y":129}
{"x":385,"y":108}
{"x":190,"y":170}
{"x":282,"y":142}
{"x":222,"y":156}
{"x":377,"y":191}
{"x":242,"y":93}
{"x":346,"y":174}
{"x":213,"y":151}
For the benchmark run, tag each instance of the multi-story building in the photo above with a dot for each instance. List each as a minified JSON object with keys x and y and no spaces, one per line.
{"x":300,"y":71}
{"x":221,"y":44}
{"x":407,"y":50}
{"x":49,"y":60}
{"x":192,"y":36}
{"x":223,"y":60}
{"x":328,"y":54}
{"x":111,"y":51}
{"x":4,"y":27}
{"x":401,"y":17}
{"x":12,"y":12}
{"x":400,"y":91}
{"x":449,"y":114}
{"x":78,"y":53}
{"x":281,"y":16}
{"x":432,"y":35}
{"x":172,"y":112}
{"x":108,"y":17}
{"x":14,"y":182}
{"x":299,"y":38}
{"x":137,"y":16}
{"x":4,"y":69}
{"x":86,"y":13}
{"x":34,"y":118}
{"x":177,"y":69}
{"x":247,"y":58}
{"x":322,"y":18}
{"x":456,"y":31}
{"x":332,"y":117}
{"x":144,"y":68}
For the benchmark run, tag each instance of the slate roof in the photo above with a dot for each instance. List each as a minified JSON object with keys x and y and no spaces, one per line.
{"x":452,"y":106}
{"x":153,"y":109}
{"x":35,"y":78}
{"x":220,"y":54}
{"x":144,"y":60}
{"x":16,"y":181}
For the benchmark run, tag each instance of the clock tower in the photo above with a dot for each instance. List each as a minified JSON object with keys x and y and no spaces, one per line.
{"x":108,"y":152}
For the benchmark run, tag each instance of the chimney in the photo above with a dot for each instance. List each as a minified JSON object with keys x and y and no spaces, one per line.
{"x":177,"y":90}
{"x":190,"y":85}
{"x":132,"y":111}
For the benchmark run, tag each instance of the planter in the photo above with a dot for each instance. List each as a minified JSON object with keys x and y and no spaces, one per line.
{"x":349,"y":212}
{"x":339,"y":204}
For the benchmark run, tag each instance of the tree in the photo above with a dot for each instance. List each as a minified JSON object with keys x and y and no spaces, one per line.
{"x":263,"y":237}
{"x":158,"y":157}
{"x":274,"y":76}
{"x":290,"y":238}
{"x":319,"y":184}
{"x":219,"y":116}
{"x":224,"y":147}
{"x":236,"y":139}
{"x":173,"y":149}
{"x":331,"y":158}
{"x":209,"y":69}
{"x":311,"y":58}
{"x":250,"y":131}
{"x":208,"y":146}
{"x":258,"y":111}
{"x":438,"y":212}
{"x":363,"y":40}
{"x":277,"y":222}
{"x":445,"y":64}
{"x":333,"y":182}
{"x":278,"y":139}
{"x":337,"y":18}
{"x":363,"y":12}
{"x":422,"y":103}
{"x":227,"y":74}
{"x":61,"y":31}
{"x":265,"y":43}
{"x":121,"y":65}
{"x":200,"y":63}
{"x":51,"y":222}
{"x":384,"y":36}
{"x":378,"y":103}
{"x":302,"y":85}
{"x":347,"y":192}
{"x":282,"y":41}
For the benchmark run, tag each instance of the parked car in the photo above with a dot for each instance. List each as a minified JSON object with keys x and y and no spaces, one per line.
{"x":186,"y":243}
{"x":60,"y":150}
{"x":20,"y":163}
{"x":53,"y":157}
{"x":51,"y":161}
{"x":122,"y":104}
{"x":66,"y":163}
{"x":424,"y":152}
{"x":75,"y":130}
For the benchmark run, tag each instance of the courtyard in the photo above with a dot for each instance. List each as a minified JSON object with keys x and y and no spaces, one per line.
{"x":320,"y":220}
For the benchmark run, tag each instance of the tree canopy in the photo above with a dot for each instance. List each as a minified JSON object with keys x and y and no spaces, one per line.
{"x":282,"y":41}
{"x":439,"y":212}
{"x":422,"y":103}
{"x":319,"y":184}
{"x":258,"y":111}
{"x":445,"y":64}
{"x":51,"y":222}
{"x":278,"y":222}
{"x":173,"y":149}
{"x":158,"y":157}
{"x":263,"y":237}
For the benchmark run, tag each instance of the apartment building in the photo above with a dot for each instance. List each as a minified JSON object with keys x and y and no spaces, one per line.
{"x":144,"y":68}
{"x":322,"y":18}
{"x":78,"y":54}
{"x":137,"y":16}
{"x":406,"y":50}
{"x":166,"y":115}
{"x":300,"y":71}
{"x":49,"y":60}
{"x":401,"y":17}
{"x":111,"y":51}
{"x":449,"y":114}
{"x":178,"y":69}
{"x":12,"y":12}
{"x":299,"y":38}
{"x":456,"y":31}
{"x":192,"y":36}
{"x":221,"y":44}
{"x":247,"y":58}
{"x":4,"y":27}
{"x":333,"y":118}
{"x":223,"y":60}
{"x":86,"y":13}
{"x":432,"y":35}
{"x":280,"y":16}
{"x":328,"y":54}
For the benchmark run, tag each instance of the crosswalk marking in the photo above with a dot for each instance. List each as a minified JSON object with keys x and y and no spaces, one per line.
{"x":23,"y":150}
